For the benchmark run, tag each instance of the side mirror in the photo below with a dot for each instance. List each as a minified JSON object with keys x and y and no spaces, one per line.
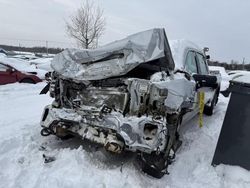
{"x":207,"y":57}
{"x":205,"y":81}
{"x":205,"y":49}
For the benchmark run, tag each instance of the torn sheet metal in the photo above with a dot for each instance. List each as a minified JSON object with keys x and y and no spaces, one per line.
{"x":114,"y":59}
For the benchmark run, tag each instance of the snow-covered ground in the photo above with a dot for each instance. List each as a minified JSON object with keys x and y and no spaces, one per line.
{"x":22,"y":148}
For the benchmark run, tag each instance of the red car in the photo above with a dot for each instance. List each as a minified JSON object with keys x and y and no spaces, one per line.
{"x":9,"y":74}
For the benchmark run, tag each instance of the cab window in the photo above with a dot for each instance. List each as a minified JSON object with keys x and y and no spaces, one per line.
{"x":190,"y":64}
{"x":202,"y":64}
{"x":3,"y":67}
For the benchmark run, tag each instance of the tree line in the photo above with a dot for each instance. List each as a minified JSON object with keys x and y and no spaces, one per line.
{"x":233,"y":65}
{"x":32,"y":49}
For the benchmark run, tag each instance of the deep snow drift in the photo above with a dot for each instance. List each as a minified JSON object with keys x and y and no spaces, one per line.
{"x":22,"y":149}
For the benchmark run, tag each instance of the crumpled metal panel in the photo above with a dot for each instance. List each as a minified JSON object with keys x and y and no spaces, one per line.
{"x":114,"y":59}
{"x":131,"y":130}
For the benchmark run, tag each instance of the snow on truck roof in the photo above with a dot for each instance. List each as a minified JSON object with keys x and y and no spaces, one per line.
{"x":120,"y":57}
{"x":179,"y":49}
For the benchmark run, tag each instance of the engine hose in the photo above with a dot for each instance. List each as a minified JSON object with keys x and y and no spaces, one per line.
{"x":46,"y":131}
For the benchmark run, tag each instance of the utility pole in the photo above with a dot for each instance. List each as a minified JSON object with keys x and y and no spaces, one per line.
{"x":243,"y":63}
{"x":47,"y":50}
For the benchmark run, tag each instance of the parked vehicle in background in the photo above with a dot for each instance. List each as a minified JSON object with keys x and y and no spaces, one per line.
{"x":2,"y":51}
{"x":42,"y":63}
{"x":237,"y":74}
{"x":225,"y":78}
{"x":130,"y":95}
{"x":9,"y":74}
{"x":23,"y":66}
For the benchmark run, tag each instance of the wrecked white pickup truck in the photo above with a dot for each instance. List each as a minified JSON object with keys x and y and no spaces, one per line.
{"x":130,"y":95}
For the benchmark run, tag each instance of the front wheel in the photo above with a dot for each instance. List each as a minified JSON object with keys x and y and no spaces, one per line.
{"x":153,"y":164}
{"x":209,"y":110}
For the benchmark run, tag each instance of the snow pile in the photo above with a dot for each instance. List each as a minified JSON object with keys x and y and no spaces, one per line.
{"x":16,"y":63}
{"x":2,"y":55}
{"x":42,"y":63}
{"x":235,"y":75}
{"x":77,"y":165}
{"x":245,"y":78}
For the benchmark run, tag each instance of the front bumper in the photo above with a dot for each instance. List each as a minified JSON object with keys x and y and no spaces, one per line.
{"x":129,"y":133}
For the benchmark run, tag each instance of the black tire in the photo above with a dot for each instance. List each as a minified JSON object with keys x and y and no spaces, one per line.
{"x":66,"y":137}
{"x":209,"y":110}
{"x":156,"y":165}
{"x":153,"y":164}
{"x":28,"y":81}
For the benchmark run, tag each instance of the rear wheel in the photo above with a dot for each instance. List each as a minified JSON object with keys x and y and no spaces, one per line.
{"x":156,"y":164}
{"x":28,"y":81}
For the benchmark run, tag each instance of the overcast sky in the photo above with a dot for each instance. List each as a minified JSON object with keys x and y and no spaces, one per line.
{"x":222,"y":25}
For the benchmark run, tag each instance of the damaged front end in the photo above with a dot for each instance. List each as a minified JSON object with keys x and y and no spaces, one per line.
{"x":123,"y":96}
{"x":120,"y":114}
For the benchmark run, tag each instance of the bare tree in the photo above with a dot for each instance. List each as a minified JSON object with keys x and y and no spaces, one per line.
{"x":87,"y":25}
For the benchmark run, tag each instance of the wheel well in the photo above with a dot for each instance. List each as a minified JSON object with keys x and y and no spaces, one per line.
{"x":27,"y":80}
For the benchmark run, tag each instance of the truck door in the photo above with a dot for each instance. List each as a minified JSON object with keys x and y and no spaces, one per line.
{"x":192,"y":68}
{"x":203,"y":70}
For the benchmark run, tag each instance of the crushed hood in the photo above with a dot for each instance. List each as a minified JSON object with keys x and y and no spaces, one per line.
{"x":116,"y":58}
